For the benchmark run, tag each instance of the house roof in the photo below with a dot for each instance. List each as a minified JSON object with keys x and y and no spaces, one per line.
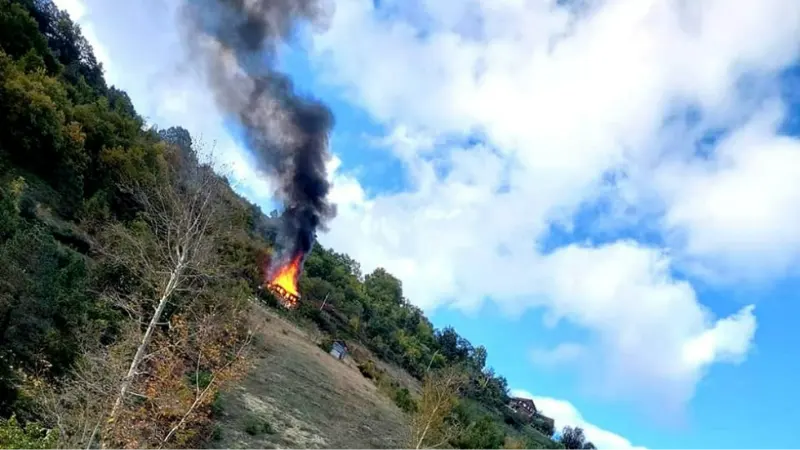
{"x":527,"y":401}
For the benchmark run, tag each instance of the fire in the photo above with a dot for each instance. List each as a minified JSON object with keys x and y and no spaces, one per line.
{"x":284,"y":282}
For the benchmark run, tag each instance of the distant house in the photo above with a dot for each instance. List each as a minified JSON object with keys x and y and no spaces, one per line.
{"x":339,"y":350}
{"x":524,"y":406}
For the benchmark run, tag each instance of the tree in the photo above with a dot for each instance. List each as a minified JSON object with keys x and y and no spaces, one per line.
{"x":180,"y":138}
{"x":169,"y":250}
{"x":187,"y":367}
{"x":479,"y":358}
{"x":383,"y":287}
{"x":573,"y":438}
{"x":429,"y":425}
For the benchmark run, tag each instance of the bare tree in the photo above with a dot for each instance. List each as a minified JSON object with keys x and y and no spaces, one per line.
{"x":429,"y":426}
{"x":169,"y":250}
{"x":77,"y":405}
{"x":211,"y":366}
{"x":185,"y":367}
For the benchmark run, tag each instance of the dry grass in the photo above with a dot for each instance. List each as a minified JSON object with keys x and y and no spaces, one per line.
{"x":307,"y":398}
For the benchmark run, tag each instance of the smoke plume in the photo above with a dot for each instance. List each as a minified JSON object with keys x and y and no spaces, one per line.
{"x":235,"y":41}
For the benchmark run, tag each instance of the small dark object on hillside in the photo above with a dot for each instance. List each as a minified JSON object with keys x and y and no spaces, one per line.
{"x":338,"y":350}
{"x":217,"y":408}
{"x":216,"y":435}
{"x":256,"y":425}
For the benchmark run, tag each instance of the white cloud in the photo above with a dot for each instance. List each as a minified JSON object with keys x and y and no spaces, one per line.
{"x":737,"y":211}
{"x":564,"y":100}
{"x":564,"y":414}
{"x":649,"y":328}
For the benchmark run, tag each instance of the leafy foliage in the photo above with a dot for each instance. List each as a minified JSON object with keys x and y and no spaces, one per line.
{"x":403,"y":399}
{"x":573,"y":438}
{"x":33,"y":436}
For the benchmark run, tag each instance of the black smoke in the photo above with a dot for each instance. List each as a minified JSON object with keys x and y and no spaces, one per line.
{"x":235,"y":42}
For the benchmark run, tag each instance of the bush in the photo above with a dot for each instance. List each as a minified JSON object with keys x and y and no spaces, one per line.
{"x":200,"y":379}
{"x":256,"y":425}
{"x":403,"y":399}
{"x":485,"y":433}
{"x":217,"y":408}
{"x":369,"y":370}
{"x":326,"y":344}
{"x":216,"y":434}
{"x":13,"y":435}
{"x":514,"y":443}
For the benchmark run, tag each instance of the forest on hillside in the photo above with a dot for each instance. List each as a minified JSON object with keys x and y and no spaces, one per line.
{"x":128,"y":265}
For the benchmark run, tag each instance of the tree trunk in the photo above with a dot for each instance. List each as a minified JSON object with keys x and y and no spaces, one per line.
{"x":148,"y":334}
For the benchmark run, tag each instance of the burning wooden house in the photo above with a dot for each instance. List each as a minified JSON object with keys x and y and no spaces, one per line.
{"x":283,"y":283}
{"x":287,"y":299}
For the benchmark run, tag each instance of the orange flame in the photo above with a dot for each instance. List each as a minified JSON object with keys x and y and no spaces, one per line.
{"x":286,"y":276}
{"x":284,"y":282}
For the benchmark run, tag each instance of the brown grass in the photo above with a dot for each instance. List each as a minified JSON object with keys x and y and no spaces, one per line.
{"x":308,"y":398}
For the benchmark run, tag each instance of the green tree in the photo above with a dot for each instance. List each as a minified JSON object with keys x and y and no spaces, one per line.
{"x":19,"y":34}
{"x":573,"y":438}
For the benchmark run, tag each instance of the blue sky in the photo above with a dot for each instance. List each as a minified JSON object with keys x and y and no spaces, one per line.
{"x":605,"y":197}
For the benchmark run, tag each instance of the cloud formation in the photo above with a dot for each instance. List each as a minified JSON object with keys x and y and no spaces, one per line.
{"x":566,"y":97}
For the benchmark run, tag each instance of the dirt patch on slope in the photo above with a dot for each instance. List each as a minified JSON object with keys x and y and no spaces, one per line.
{"x":298,"y":396}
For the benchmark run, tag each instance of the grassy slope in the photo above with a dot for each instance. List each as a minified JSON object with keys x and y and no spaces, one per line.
{"x":307,"y":398}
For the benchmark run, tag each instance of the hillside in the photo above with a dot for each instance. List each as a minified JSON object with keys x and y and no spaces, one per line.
{"x":308,"y":399}
{"x":128,"y":273}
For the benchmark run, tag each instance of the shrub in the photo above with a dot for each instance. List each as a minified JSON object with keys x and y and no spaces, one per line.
{"x":200,"y":379}
{"x":216,"y":434}
{"x":13,"y":435}
{"x":403,"y":399}
{"x":511,"y":442}
{"x":217,"y":408}
{"x":256,"y":425}
{"x":369,"y":370}
{"x":485,"y":433}
{"x":326,"y":344}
